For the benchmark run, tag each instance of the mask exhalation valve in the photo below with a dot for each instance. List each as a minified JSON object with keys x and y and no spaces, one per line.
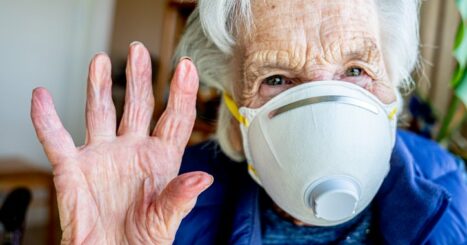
{"x":335,"y":198}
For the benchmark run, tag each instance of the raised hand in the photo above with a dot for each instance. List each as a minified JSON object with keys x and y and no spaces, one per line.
{"x":123,"y":188}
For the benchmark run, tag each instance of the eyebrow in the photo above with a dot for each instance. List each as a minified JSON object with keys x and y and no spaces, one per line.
{"x":262,"y":61}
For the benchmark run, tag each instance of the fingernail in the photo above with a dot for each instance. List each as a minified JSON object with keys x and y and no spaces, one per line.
{"x":198,"y":180}
{"x":40,"y":93}
{"x":184,"y":58}
{"x":100,"y":53}
{"x":188,"y":72}
{"x":100,"y":72}
{"x":181,"y":70}
{"x":134,"y":43}
{"x":100,"y":58}
{"x":36,"y":90}
{"x":136,"y":50}
{"x":193,"y":181}
{"x":208,"y":182}
{"x":41,"y":99}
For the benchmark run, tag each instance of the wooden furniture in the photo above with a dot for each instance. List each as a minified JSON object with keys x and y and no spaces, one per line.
{"x":18,"y":173}
{"x":175,"y":16}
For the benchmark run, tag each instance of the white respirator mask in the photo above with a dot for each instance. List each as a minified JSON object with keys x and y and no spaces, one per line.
{"x":321,"y":150}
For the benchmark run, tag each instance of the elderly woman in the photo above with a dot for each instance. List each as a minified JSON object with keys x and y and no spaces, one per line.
{"x":306,"y":150}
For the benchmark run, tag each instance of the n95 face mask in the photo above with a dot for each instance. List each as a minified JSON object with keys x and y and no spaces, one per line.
{"x":320,"y":150}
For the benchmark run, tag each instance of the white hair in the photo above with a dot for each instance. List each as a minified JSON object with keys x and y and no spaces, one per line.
{"x":210,"y":36}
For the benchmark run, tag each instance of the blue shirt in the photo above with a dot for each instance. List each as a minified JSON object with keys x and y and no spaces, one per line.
{"x":423,"y":200}
{"x":279,"y":231}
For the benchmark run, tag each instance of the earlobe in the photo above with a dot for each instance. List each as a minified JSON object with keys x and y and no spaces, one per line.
{"x":228,"y":134}
{"x":236,"y":137}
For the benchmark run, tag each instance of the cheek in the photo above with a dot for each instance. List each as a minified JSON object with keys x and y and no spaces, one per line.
{"x":383,"y":91}
{"x":363,"y":81}
{"x":268,"y":92}
{"x":264,"y":94}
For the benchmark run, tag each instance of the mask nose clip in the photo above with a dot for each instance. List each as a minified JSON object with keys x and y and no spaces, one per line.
{"x":334,"y":198}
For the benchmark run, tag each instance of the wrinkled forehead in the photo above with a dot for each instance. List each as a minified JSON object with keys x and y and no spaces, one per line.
{"x":313,"y":20}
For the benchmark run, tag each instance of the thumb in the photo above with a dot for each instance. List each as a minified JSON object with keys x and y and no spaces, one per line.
{"x":181,"y":193}
{"x":179,"y":197}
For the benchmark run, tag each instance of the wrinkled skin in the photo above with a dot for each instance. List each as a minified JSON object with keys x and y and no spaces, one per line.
{"x":306,"y":41}
{"x":123,"y":188}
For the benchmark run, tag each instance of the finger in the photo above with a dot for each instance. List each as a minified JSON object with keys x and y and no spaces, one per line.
{"x":56,"y":141}
{"x":139,"y":99}
{"x":100,"y":110}
{"x":176,"y":123}
{"x":179,"y":197}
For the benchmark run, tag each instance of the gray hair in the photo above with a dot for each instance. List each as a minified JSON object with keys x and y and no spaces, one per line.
{"x":209,"y":40}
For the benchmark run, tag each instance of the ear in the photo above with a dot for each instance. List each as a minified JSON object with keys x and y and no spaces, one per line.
{"x":235,"y":137}
{"x":228,"y":134}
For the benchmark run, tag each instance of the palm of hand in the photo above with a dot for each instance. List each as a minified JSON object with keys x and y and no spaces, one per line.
{"x":123,"y":188}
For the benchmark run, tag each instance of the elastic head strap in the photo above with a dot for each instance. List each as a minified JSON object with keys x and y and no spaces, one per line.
{"x":392,"y":113}
{"x":233,"y":108}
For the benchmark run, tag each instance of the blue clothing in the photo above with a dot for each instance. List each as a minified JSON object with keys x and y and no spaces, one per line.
{"x":278,"y":231}
{"x":423,"y":200}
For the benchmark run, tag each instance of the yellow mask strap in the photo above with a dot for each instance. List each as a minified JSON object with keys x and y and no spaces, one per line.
{"x":233,"y":108}
{"x":392,"y":114}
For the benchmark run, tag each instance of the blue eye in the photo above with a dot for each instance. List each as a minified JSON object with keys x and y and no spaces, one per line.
{"x":354,"y":72}
{"x":276,"y":80}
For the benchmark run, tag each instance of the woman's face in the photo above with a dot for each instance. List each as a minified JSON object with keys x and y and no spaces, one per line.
{"x":299,"y":41}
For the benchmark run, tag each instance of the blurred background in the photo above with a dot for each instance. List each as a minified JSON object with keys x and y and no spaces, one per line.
{"x":49,"y":43}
